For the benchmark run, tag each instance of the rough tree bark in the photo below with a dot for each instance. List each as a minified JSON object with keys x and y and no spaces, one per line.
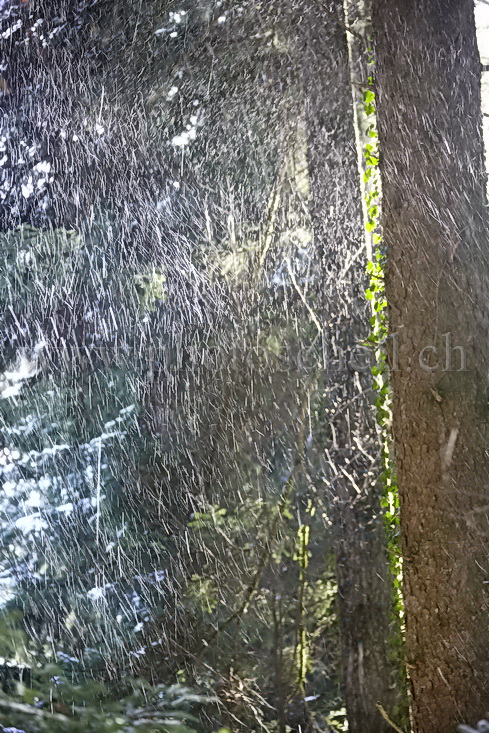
{"x":437,"y":277}
{"x":365,"y":589}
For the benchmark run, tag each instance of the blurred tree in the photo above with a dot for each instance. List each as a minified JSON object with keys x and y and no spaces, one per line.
{"x":351,"y":440}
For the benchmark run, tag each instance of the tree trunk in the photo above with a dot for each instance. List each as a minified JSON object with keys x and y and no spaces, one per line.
{"x":352,"y":449}
{"x":435,"y":229}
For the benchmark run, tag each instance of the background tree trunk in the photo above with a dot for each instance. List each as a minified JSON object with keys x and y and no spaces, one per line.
{"x":365,"y":592}
{"x":435,"y":229}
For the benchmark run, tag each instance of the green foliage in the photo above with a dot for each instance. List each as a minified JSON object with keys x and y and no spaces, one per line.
{"x":60,"y":706}
{"x":379,"y":334}
{"x":337,"y":720}
{"x":59,"y":698}
{"x":202,"y":591}
{"x":378,"y":339}
{"x":151,"y":288}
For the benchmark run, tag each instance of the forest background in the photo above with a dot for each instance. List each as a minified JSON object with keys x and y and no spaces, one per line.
{"x":199,"y":506}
